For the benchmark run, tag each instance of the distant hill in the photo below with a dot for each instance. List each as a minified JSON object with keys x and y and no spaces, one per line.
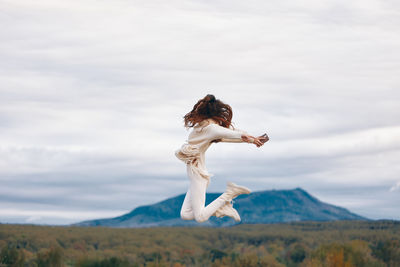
{"x":272,"y":206}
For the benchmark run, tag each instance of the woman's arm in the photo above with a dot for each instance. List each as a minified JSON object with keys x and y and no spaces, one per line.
{"x":217,"y":132}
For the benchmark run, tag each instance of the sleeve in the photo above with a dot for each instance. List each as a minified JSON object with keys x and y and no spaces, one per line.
{"x":216,"y":131}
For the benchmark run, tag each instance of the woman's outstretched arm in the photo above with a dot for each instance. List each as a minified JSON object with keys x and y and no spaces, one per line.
{"x":220,"y":133}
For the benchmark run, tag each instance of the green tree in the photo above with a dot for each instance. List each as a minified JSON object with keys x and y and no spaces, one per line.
{"x":110,"y":262}
{"x":388,"y":251}
{"x":12,"y":257}
{"x":50,"y":258}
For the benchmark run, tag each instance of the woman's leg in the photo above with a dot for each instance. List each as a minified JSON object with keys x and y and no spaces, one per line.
{"x":186,"y":210}
{"x":198,"y":186}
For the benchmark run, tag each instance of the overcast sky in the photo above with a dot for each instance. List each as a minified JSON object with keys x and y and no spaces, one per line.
{"x":92,"y":95}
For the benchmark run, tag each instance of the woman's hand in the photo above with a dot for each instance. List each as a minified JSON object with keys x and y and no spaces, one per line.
{"x":258,"y":141}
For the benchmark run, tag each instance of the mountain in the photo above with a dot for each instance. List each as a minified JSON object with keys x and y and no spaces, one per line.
{"x":272,"y":206}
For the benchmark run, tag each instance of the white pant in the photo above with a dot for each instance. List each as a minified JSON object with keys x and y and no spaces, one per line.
{"x":193,"y":206}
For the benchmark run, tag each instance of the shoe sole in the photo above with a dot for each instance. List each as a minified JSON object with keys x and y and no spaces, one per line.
{"x":242,"y":188}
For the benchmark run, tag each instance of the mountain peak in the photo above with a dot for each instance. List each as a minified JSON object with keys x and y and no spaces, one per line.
{"x":269,"y":206}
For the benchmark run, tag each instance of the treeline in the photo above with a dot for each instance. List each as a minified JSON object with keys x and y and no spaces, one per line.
{"x":341,"y":243}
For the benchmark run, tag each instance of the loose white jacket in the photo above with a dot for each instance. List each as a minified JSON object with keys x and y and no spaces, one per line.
{"x":193,"y":150}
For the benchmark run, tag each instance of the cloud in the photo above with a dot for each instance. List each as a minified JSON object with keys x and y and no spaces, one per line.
{"x":93,"y":95}
{"x":52,"y":216}
{"x":395,"y":187}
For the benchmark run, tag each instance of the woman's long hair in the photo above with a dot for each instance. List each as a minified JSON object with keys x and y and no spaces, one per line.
{"x":209,"y":107}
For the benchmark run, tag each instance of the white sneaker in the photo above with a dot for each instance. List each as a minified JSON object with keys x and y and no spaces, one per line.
{"x":234,"y":190}
{"x":228,"y":210}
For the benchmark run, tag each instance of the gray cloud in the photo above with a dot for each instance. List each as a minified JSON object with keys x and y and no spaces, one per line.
{"x":93,"y":94}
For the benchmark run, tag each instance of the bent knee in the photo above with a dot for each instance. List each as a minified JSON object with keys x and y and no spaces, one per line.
{"x":187,"y":216}
{"x":200,"y":218}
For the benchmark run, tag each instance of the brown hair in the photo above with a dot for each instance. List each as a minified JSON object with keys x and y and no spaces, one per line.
{"x":209,"y":107}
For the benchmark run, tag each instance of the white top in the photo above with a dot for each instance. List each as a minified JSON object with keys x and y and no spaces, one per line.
{"x":193,"y":150}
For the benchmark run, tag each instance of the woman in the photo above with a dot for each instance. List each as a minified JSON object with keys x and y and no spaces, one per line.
{"x":211,"y":123}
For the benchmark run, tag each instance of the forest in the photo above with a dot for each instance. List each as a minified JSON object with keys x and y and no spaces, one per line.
{"x":338,"y":243}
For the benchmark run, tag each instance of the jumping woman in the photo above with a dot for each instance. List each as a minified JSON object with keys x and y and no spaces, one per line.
{"x":211,"y":123}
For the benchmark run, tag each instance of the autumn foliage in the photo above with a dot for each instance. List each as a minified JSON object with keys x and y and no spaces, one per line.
{"x":303,"y":244}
